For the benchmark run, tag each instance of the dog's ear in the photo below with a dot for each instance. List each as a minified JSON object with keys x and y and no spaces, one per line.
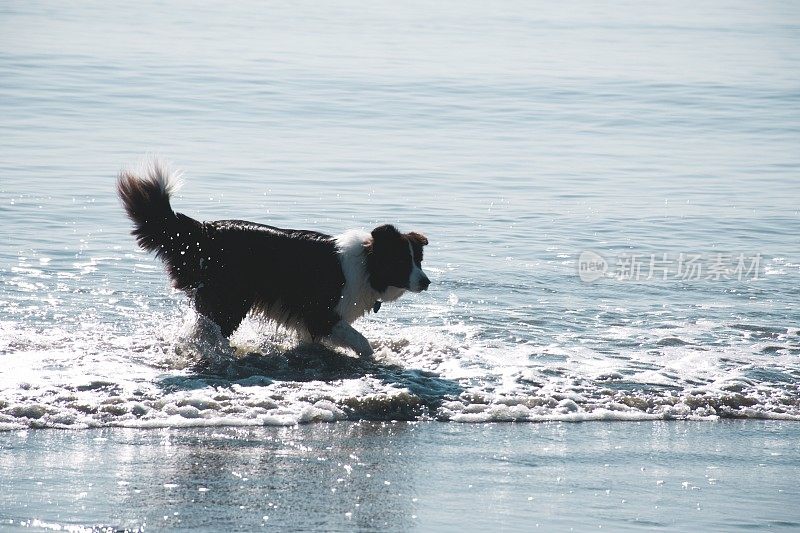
{"x":418,"y":238}
{"x":381,"y":232}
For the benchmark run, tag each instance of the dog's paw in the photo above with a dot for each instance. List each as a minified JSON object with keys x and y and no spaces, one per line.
{"x":345,"y":336}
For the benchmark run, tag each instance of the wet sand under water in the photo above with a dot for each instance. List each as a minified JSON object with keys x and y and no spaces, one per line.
{"x":675,"y":476}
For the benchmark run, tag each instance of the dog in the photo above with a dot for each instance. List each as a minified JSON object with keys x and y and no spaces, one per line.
{"x":310,"y":282}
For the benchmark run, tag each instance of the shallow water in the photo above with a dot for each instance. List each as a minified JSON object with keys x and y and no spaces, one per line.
{"x":402,"y":476}
{"x":516,"y":137}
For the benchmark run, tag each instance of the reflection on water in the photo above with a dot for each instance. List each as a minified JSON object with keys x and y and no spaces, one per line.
{"x":516,"y":137}
{"x":398,"y":476}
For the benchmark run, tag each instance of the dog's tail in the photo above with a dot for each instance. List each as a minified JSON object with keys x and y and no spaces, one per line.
{"x":174,"y":237}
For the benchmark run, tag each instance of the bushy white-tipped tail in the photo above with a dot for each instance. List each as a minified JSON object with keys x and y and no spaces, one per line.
{"x":145,"y":194}
{"x":160,"y":172}
{"x":174,"y":237}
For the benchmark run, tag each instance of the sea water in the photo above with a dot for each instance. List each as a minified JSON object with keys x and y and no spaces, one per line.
{"x":406,"y":476}
{"x":610,"y":193}
{"x":611,"y":196}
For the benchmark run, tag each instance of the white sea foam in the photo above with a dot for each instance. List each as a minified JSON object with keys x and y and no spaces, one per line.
{"x":67,"y":378}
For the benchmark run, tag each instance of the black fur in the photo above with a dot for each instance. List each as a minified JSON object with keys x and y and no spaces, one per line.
{"x":229,"y":267}
{"x":232,"y":267}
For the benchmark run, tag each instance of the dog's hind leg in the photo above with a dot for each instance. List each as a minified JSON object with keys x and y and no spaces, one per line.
{"x":346,"y":336}
{"x":225,"y":308}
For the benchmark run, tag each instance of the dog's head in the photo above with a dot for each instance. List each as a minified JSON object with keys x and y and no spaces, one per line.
{"x":394,"y":260}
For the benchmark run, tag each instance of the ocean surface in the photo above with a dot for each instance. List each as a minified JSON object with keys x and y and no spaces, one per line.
{"x":612,"y":198}
{"x":406,"y":476}
{"x":519,"y":137}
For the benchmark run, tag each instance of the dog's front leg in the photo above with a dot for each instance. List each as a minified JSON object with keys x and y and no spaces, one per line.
{"x":344,"y":335}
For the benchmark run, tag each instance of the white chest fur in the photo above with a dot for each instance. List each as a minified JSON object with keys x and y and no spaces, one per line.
{"x":358,"y":296}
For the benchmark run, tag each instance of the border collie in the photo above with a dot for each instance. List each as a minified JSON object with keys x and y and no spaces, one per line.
{"x":313,"y":283}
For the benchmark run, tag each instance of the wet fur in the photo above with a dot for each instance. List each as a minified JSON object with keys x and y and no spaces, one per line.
{"x":314,"y":283}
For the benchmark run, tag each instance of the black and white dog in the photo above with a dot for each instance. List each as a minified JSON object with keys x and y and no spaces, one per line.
{"x":313,"y":283}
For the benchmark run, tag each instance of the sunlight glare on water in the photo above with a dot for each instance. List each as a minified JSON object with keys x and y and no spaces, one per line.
{"x":516,"y":137}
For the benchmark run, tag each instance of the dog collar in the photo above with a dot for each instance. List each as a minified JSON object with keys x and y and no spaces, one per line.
{"x":376,"y":306}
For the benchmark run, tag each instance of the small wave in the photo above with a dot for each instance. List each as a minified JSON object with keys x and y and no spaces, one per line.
{"x":186,"y":375}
